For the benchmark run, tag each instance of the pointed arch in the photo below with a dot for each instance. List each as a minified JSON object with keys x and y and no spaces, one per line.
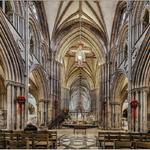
{"x":10,"y":55}
{"x":141,"y":72}
{"x":40,"y":80}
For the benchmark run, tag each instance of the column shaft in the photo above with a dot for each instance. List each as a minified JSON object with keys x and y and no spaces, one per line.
{"x":9,"y":107}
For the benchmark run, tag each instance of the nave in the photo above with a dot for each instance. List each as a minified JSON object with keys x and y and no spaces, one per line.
{"x":74,"y":74}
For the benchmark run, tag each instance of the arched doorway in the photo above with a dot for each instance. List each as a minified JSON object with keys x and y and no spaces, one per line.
{"x":32,"y":108}
{"x":125,"y":115}
{"x":120,"y":104}
{"x":38,"y":103}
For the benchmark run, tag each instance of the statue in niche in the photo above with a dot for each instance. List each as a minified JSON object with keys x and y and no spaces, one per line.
{"x":31,"y":109}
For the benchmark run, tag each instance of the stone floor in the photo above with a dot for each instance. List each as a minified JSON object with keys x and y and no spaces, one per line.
{"x":79,"y":140}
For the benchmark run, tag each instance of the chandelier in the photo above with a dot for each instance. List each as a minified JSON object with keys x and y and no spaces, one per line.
{"x":80,"y":55}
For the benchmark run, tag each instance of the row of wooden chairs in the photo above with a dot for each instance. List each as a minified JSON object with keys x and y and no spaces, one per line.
{"x":28,"y":139}
{"x":123,"y":140}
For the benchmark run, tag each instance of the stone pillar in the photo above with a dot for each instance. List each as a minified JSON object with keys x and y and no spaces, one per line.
{"x":45,"y":111}
{"x":117,"y":116}
{"x":3,"y":5}
{"x":9,"y":110}
{"x":93,"y":100}
{"x":49,"y":110}
{"x":62,"y":98}
{"x":109,"y":114}
{"x":27,"y":45}
{"x":97,"y":106}
{"x":148,"y":110}
{"x":17,"y":113}
{"x":144,"y":97}
{"x":137,"y":113}
{"x":141,"y":110}
{"x":12,"y":106}
{"x":113,"y":115}
{"x":38,"y":114}
{"x":129,"y":8}
{"x":41,"y":111}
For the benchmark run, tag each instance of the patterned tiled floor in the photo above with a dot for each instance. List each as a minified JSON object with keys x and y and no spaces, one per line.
{"x":77,"y":141}
{"x":68,"y":140}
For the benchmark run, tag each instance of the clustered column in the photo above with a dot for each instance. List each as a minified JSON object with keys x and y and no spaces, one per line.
{"x":142,"y":109}
{"x":15,"y":114}
{"x":54,"y":85}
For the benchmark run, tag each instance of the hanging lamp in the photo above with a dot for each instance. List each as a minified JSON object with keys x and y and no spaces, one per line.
{"x":80,"y":55}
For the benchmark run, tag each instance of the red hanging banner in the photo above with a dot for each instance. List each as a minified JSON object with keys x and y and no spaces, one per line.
{"x":21,"y":99}
{"x":134,"y":104}
{"x":19,"y":108}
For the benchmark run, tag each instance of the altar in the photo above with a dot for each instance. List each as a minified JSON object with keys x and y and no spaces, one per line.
{"x":81,"y":127}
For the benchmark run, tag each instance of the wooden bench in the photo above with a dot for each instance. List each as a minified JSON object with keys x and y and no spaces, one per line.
{"x":108,"y":139}
{"x":142,"y":145}
{"x":123,"y":145}
{"x":28,"y":139}
{"x":123,"y":140}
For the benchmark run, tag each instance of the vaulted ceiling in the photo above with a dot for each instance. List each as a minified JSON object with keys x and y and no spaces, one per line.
{"x":77,"y":22}
{"x":100,"y":13}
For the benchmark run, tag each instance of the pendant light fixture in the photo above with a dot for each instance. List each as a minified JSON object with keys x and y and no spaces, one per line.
{"x":80,"y":55}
